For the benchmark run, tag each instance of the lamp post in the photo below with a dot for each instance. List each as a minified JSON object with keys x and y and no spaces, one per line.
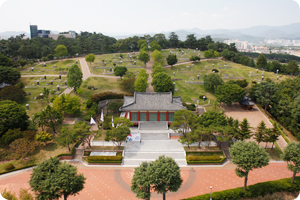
{"x":210,"y":192}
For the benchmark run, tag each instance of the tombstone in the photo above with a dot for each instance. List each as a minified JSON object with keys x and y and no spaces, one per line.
{"x":41,"y":95}
{"x":38,"y":82}
{"x":197,"y":102}
{"x":257,"y":71}
{"x":27,"y":106}
{"x":225,"y":64}
{"x":105,"y":60}
{"x":197,"y":49}
{"x":105,"y":64}
{"x":134,"y":62}
{"x":44,"y":64}
{"x":198,"y":77}
{"x":177,"y":69}
{"x":59,"y":76}
{"x":170,"y":52}
{"x":121,"y":62}
{"x":176,"y":49}
{"x":277,"y":71}
{"x":209,"y":101}
{"x":65,"y":82}
{"x":213,"y":71}
{"x":57,"y":87}
{"x":277,"y":77}
{"x":182,"y":52}
{"x":28,"y":93}
{"x":262,"y":71}
{"x":110,"y":69}
{"x":188,"y":67}
{"x":199,"y":54}
{"x":134,"y":53}
{"x":104,"y":70}
{"x":174,"y":84}
{"x":34,"y":98}
{"x":54,"y":66}
{"x":262,"y":78}
{"x":45,"y":77}
{"x":32,"y":69}
{"x":204,"y":99}
{"x":128,"y":55}
{"x":76,"y":62}
{"x":213,"y":65}
{"x":174,"y":74}
{"x":194,"y":50}
{"x":51,"y":82}
{"x":192,"y":65}
{"x":120,"y":58}
{"x":226,"y":76}
{"x":250,"y":73}
{"x":113,"y":70}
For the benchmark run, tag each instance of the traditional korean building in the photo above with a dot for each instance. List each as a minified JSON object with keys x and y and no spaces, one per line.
{"x":151,"y":107}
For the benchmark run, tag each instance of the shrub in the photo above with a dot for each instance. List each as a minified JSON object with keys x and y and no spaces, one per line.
{"x":9,"y":166}
{"x":90,"y":87}
{"x":118,"y":157}
{"x":52,"y":92}
{"x":106,"y":122}
{"x":191,"y":107}
{"x":201,"y":97}
{"x":215,"y":70}
{"x":106,"y":95}
{"x":195,"y":58}
{"x":200,"y":158}
{"x":20,"y":84}
{"x":87,"y":153}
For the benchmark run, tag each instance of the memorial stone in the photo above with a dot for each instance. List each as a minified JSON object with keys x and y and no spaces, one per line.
{"x":45,"y":77}
{"x":27,"y":106}
{"x":59,"y":76}
{"x":32,"y":69}
{"x":174,"y":74}
{"x":38,"y":82}
{"x":198,"y":77}
{"x":51,"y":82}
{"x":57,"y":87}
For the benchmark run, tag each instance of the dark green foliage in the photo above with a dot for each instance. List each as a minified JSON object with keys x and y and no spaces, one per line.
{"x":5,"y":61}
{"x":265,"y":93}
{"x":292,"y":157}
{"x":13,"y":93}
{"x":12,"y":116}
{"x":114,"y":105}
{"x":229,"y":93}
{"x":215,"y":70}
{"x":212,"y":118}
{"x":9,"y":75}
{"x":261,"y":61}
{"x":52,"y":179}
{"x":11,"y":135}
{"x":253,"y":191}
{"x":242,"y":83}
{"x":191,"y":107}
{"x":284,"y":58}
{"x":212,"y":81}
{"x":106,"y":95}
{"x":9,"y":166}
{"x":195,"y":58}
{"x":172,"y":59}
{"x":74,"y":77}
{"x":118,"y":157}
{"x":120,"y":71}
{"x":106,"y":123}
{"x":128,"y":85}
{"x":117,"y":135}
{"x":51,"y":117}
{"x":162,"y":82}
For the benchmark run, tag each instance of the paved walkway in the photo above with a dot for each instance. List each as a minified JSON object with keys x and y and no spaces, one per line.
{"x":149,"y":71}
{"x":103,"y":183}
{"x":254,"y":117}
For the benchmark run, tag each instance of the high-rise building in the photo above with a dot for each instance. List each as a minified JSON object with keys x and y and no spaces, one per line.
{"x":33,"y":31}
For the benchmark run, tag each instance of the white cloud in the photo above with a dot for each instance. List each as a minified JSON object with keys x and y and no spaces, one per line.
{"x":298,"y":1}
{"x":185,"y":14}
{"x":215,"y":15}
{"x":225,"y":8}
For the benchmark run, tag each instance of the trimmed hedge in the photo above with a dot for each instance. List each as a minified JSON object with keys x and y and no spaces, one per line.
{"x":118,"y":157}
{"x":16,"y":169}
{"x":107,"y":95}
{"x":200,"y":158}
{"x":259,"y":189}
{"x":205,"y":161}
{"x":103,"y":161}
{"x":72,"y":151}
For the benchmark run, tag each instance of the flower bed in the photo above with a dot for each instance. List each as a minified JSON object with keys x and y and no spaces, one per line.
{"x":201,"y":158}
{"x":104,"y":159}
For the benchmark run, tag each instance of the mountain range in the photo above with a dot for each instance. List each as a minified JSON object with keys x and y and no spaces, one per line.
{"x":255,"y":34}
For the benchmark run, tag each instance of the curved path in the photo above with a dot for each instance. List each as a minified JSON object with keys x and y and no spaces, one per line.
{"x":149,"y":71}
{"x":114,"y":183}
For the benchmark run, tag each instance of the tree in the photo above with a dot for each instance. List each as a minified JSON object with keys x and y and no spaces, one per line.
{"x":292,"y":67}
{"x":141,"y":83}
{"x":82,"y":132}
{"x":22,"y":147}
{"x":162,"y":82}
{"x":141,"y":43}
{"x":114,"y":105}
{"x":261,"y":132}
{"x":161,"y":175}
{"x":265,"y":93}
{"x":199,"y":134}
{"x":155,"y":46}
{"x":212,"y":81}
{"x":157,"y":56}
{"x":43,"y":137}
{"x":117,"y":135}
{"x":120,"y":71}
{"x":184,"y":120}
{"x":9,"y":75}
{"x":74,"y":77}
{"x":229,"y":93}
{"x":261,"y":61}
{"x":242,"y":83}
{"x":212,"y":46}
{"x":90,"y":58}
{"x":46,"y":92}
{"x":190,"y":40}
{"x":128,"y":85}
{"x":13,"y":93}
{"x":22,"y":63}
{"x":65,"y":138}
{"x":173,"y":40}
{"x":195,"y":58}
{"x":60,"y":179}
{"x":244,"y":132}
{"x":212,"y":119}
{"x":12,"y":116}
{"x":210,"y":54}
{"x":61,"y":50}
{"x":51,"y":117}
{"x":292,"y":157}
{"x":5,"y":61}
{"x":171,"y":59}
{"x":11,"y":135}
{"x":247,"y":156}
{"x":144,"y":57}
{"x":274,"y":133}
{"x":158,"y":69}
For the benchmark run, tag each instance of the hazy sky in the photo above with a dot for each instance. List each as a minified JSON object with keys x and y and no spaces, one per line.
{"x":141,"y":16}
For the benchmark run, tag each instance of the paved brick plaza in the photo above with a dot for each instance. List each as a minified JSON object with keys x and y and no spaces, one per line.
{"x":115,"y":183}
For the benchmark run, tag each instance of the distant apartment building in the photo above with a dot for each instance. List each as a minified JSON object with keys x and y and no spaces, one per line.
{"x":242,"y":46}
{"x":282,"y":42}
{"x":34,"y":32}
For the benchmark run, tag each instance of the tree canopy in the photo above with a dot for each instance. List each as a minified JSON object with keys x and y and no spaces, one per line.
{"x":171,"y":59}
{"x":229,"y":93}
{"x":13,"y":93}
{"x":9,"y":75}
{"x":90,"y":58}
{"x":212,"y":81}
{"x":162,"y":82}
{"x":120,"y":71}
{"x":261,"y":61}
{"x":61,"y":50}
{"x":144,"y":57}
{"x":141,"y":82}
{"x":74,"y":77}
{"x":292,"y":157}
{"x":157,"y":56}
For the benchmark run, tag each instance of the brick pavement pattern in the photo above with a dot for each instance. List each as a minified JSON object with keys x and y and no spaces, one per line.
{"x":114,"y":184}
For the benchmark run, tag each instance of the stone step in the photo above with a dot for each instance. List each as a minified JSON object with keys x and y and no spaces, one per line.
{"x":153,"y":126}
{"x":137,"y":162}
{"x":153,"y":155}
{"x":154,"y":146}
{"x":154,"y":136}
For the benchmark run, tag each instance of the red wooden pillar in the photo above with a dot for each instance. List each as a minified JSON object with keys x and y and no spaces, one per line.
{"x":158,"y":116}
{"x":167,"y":116}
{"x":130,"y":116}
{"x":147,"y":117}
{"x":139,"y":116}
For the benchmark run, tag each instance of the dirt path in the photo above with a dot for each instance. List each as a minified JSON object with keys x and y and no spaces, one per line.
{"x":149,"y":71}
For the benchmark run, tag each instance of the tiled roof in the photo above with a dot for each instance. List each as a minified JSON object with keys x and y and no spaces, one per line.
{"x":142,"y":101}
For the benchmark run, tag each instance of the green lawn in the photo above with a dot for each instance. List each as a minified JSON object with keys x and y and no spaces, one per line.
{"x":111,"y":59}
{"x":36,"y":105}
{"x":274,"y":153}
{"x":62,"y":68}
{"x":181,"y":57}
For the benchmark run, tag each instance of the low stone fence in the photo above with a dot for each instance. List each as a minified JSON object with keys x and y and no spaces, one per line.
{"x":195,"y":82}
{"x":258,"y":75}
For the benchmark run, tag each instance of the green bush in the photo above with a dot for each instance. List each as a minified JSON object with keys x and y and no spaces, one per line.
{"x":215,"y":70}
{"x":200,"y":158}
{"x":201,"y":97}
{"x":191,"y":107}
{"x":205,"y":161}
{"x":9,"y":166}
{"x":71,"y":153}
{"x":16,"y":169}
{"x":104,"y":161}
{"x":118,"y":157}
{"x":87,"y":153}
{"x":90,"y":87}
{"x":259,"y":189}
{"x":20,"y":84}
{"x":106,"y":95}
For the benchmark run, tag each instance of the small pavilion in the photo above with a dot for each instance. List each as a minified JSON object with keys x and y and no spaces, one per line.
{"x":246,"y":103}
{"x":152,"y":107}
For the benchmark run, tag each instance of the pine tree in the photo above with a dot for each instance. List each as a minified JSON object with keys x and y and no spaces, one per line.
{"x":260,"y":134}
{"x":244,"y":132}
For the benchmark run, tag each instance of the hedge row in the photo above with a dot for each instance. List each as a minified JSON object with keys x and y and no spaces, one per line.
{"x":107,"y":95}
{"x":199,"y":158}
{"x":205,"y":161}
{"x":103,"y":161}
{"x":118,"y":157}
{"x":16,"y":169}
{"x":72,"y":151}
{"x":259,"y":189}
